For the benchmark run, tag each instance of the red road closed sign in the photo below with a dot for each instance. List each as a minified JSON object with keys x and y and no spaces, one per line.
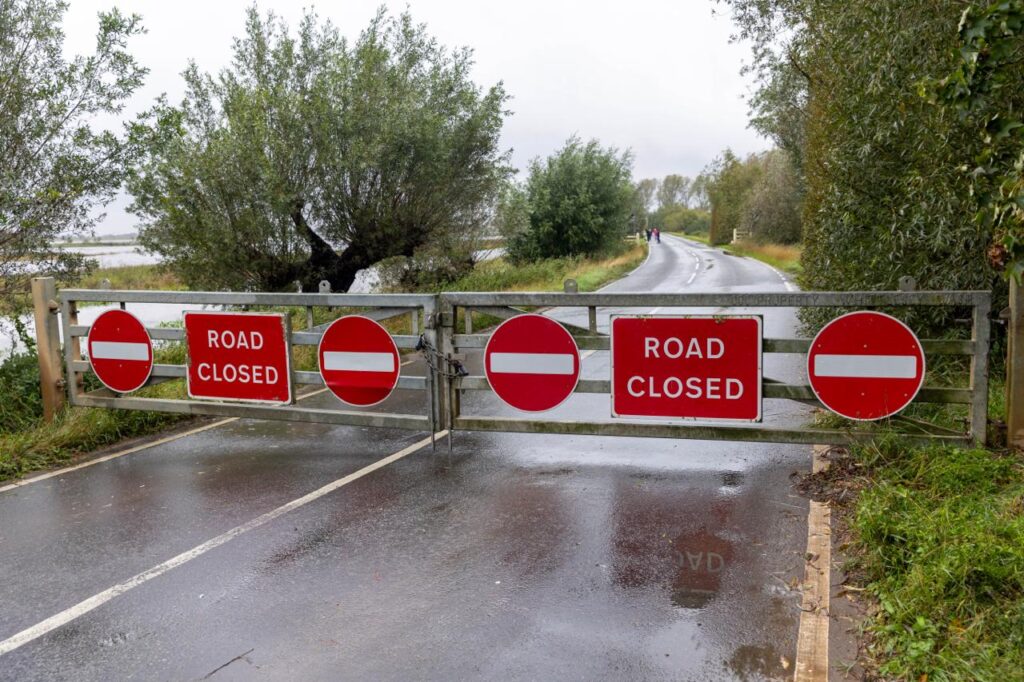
{"x":120,"y":351}
{"x":532,"y":363}
{"x":686,"y":367}
{"x":242,"y":357}
{"x":359,"y":361}
{"x":865,"y":365}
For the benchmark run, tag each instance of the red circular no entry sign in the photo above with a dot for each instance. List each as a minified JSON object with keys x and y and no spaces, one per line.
{"x":866,"y":365}
{"x":120,"y":351}
{"x":532,"y":363}
{"x":359,"y":361}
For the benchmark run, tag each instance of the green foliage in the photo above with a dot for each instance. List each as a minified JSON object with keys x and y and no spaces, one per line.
{"x":579,"y":203}
{"x":549,"y":274}
{"x":22,"y":406}
{"x":673,"y":191}
{"x":942,"y":537}
{"x":984,"y":89}
{"x":682,"y":219}
{"x":772,"y":208}
{"x":307,"y":145}
{"x":731,"y":181}
{"x":885,"y":193}
{"x":54,"y":168}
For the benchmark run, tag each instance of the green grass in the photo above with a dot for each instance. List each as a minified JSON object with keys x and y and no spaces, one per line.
{"x":133,"y":277}
{"x":79,"y":430}
{"x":549,"y":275}
{"x":940,"y":538}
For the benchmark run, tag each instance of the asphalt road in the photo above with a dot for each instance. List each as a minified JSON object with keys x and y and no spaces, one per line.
{"x":520,"y":557}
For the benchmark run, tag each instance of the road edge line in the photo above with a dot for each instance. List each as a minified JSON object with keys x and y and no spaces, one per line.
{"x":135,"y":448}
{"x":85,"y":606}
{"x":812,"y":636}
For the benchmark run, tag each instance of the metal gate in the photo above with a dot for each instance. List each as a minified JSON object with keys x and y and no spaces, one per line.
{"x":597,"y":305}
{"x":442,"y":328}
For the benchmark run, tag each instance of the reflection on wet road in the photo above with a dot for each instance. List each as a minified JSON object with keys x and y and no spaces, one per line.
{"x":523,"y":557}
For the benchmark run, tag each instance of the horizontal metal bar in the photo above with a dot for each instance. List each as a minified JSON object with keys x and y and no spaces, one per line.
{"x":770,"y":389}
{"x":793,"y":299}
{"x":931,"y":346}
{"x":310,"y":378}
{"x":467,"y":341}
{"x":284,"y":413}
{"x":956,"y":396}
{"x":249,"y":298}
{"x":298,"y":338}
{"x":407,"y":341}
{"x":405,"y":382}
{"x":684,"y":431}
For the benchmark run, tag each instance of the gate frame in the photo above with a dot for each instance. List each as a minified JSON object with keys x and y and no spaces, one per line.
{"x":588,"y":338}
{"x":382,"y":307}
{"x":444,"y":386}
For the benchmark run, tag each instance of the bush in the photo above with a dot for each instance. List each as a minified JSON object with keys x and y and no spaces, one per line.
{"x":22,"y":403}
{"x":578,"y":203}
{"x":682,"y":219}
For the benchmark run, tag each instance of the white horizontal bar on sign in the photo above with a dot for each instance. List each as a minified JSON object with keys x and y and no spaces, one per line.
{"x":119,"y":350}
{"x":352,"y":361}
{"x":533,"y":363}
{"x":866,"y":366}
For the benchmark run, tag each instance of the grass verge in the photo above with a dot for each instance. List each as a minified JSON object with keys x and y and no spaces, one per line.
{"x":935,"y":537}
{"x":133,"y":277}
{"x":80,"y":430}
{"x":549,"y":275}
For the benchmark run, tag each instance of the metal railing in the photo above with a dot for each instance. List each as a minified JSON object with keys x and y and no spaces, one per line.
{"x":435,"y":329}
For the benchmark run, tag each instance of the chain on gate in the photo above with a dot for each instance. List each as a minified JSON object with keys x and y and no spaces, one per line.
{"x":442,"y":368}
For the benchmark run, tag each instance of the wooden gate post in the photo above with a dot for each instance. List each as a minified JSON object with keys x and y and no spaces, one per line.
{"x":1015,"y":367}
{"x":51,"y":375}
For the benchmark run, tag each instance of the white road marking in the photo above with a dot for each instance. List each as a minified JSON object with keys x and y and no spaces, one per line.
{"x":83,"y":607}
{"x":118,"y":350}
{"x":532,"y":363}
{"x":351,"y":361}
{"x":866,"y":366}
{"x":696,"y":268}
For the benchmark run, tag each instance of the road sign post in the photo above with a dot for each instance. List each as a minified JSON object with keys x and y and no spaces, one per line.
{"x":359,"y":361}
{"x":865,"y":365}
{"x":120,"y":351}
{"x":532,"y":363}
{"x":686,"y":367}
{"x":241,"y":357}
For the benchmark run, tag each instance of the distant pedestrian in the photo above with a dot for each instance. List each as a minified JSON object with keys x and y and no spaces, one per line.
{"x":648,"y":233}
{"x":657,"y":235}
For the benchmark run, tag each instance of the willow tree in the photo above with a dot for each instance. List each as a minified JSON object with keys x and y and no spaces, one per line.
{"x":56,"y":167}
{"x":311,"y":158}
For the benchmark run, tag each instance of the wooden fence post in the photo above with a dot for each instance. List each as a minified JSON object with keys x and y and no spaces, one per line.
{"x":1015,"y":368}
{"x":51,"y":374}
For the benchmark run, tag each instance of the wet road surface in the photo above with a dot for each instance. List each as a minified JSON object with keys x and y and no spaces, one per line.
{"x":521,"y":557}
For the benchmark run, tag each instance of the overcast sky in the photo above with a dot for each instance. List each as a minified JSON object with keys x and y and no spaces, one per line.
{"x":656,"y":76}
